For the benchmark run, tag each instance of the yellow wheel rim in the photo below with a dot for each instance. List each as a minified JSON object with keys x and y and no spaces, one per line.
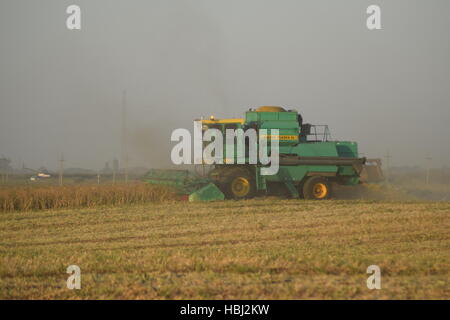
{"x":240,"y":187}
{"x":320,"y":190}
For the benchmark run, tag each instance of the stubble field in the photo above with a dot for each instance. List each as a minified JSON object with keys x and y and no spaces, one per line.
{"x":257,"y":249}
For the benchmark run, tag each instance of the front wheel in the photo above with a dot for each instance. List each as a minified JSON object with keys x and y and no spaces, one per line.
{"x":317,"y":188}
{"x":239,"y":184}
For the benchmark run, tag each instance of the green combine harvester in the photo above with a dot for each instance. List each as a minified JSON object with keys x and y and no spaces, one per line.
{"x":310,"y":162}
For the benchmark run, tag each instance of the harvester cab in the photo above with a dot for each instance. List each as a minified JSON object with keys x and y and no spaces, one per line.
{"x":310,"y":163}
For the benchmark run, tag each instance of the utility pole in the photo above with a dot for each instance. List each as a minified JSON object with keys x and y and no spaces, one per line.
{"x":387,"y":157}
{"x":124,"y":135}
{"x":428,"y":169}
{"x":61,"y":169}
{"x":115,"y":169}
{"x":114,"y":175}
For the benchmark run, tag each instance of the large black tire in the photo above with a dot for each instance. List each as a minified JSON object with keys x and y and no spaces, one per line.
{"x":300,"y":189}
{"x":317,"y":188}
{"x":237,"y":183}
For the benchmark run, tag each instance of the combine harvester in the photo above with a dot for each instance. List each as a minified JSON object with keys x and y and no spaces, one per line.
{"x":310,"y":162}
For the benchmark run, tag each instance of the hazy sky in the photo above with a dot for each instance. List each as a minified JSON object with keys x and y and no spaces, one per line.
{"x":60,"y":90}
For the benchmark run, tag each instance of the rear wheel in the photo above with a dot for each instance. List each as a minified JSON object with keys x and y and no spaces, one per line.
{"x":317,"y":188}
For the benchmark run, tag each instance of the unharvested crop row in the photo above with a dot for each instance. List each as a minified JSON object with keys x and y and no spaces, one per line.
{"x":74,"y":196}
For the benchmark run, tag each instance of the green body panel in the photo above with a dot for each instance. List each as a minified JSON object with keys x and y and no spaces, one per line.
{"x":285,"y":122}
{"x":345,"y":171}
{"x":260,"y":180}
{"x":347,"y":149}
{"x":313,"y":149}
